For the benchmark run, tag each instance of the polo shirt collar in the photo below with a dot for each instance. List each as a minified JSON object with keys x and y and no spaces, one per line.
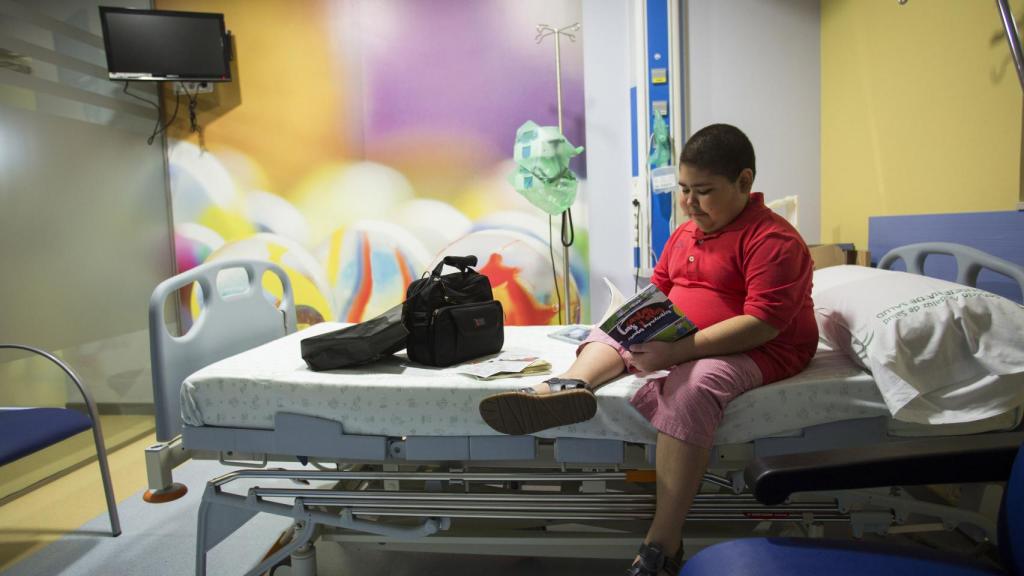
{"x":754,"y":208}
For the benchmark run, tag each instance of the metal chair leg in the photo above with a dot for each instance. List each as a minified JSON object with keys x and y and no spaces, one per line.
{"x":101,"y":456}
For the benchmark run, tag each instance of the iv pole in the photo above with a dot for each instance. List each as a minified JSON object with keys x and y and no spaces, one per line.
{"x":1010,"y":27}
{"x":543,"y":31}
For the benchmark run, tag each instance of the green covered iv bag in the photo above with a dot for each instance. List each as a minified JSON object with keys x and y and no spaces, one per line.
{"x":542,"y":174}
{"x":662,"y":154}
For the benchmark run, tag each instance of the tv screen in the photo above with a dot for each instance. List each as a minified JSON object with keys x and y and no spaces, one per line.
{"x":165,"y":45}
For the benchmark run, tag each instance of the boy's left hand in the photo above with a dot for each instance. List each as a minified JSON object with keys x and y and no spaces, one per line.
{"x":654,"y":355}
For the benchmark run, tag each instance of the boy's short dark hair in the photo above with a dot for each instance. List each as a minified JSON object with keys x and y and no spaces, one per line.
{"x":721,"y":149}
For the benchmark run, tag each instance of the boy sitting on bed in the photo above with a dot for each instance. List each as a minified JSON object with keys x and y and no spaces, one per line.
{"x":742,"y":274}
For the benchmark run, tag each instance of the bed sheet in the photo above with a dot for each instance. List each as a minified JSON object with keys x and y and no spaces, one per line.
{"x":397,"y":398}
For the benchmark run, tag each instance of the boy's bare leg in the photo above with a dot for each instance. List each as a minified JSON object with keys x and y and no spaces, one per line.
{"x":680,"y":467}
{"x":596,"y":364}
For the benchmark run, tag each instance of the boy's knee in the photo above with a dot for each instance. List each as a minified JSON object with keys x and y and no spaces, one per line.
{"x":712,"y":388}
{"x":713,"y":381}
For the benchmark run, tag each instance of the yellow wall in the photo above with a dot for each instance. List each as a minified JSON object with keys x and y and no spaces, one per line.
{"x":921,"y":112}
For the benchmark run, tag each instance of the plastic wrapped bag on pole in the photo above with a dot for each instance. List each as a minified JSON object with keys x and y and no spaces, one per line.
{"x":661,"y":155}
{"x":542,"y":172}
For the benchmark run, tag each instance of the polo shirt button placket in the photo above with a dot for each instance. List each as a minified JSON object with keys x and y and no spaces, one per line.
{"x":690,"y":258}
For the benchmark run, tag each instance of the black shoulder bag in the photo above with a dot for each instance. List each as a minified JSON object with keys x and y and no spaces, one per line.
{"x":454,"y":317}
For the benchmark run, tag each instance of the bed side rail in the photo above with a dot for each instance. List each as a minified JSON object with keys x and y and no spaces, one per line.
{"x":969,"y":261}
{"x":985,"y":458}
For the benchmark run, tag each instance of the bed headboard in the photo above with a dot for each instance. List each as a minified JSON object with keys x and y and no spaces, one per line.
{"x":998,"y":234}
{"x":969,"y":262}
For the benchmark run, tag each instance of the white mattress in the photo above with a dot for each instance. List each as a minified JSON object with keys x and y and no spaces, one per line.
{"x":396,"y":398}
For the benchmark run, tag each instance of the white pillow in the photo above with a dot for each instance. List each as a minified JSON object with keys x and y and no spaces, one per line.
{"x":940,"y":352}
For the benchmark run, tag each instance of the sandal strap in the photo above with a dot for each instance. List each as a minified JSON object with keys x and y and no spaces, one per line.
{"x":639,"y":569}
{"x":562,"y":384}
{"x":674,"y":564}
{"x":558,"y":385}
{"x":650,"y":561}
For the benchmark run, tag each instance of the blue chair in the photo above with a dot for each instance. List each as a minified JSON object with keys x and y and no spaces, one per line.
{"x":24,"y":431}
{"x":992,"y":457}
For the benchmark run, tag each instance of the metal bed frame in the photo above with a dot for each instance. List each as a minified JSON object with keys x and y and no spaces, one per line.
{"x":561,"y":497}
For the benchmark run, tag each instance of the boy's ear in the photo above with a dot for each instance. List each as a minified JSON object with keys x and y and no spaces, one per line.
{"x":746,"y":180}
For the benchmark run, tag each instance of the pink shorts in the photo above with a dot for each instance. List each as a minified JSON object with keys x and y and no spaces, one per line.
{"x":688,"y":403}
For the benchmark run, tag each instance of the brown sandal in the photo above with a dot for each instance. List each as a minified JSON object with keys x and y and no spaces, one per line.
{"x":524,"y":411}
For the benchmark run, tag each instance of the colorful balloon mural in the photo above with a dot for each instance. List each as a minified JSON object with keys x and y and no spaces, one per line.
{"x":519,"y":268}
{"x":368,"y":267}
{"x":379,"y":165}
{"x":312,"y":295}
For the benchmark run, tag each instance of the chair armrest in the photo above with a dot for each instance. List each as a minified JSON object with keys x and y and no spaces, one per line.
{"x":86,"y":396}
{"x":984,"y":458}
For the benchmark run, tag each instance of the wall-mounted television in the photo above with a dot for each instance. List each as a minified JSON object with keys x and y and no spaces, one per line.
{"x":165,"y":45}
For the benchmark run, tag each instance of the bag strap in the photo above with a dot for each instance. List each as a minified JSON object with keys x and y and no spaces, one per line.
{"x":463,"y":263}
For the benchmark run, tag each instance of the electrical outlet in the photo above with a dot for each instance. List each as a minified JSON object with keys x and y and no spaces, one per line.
{"x":192,"y":88}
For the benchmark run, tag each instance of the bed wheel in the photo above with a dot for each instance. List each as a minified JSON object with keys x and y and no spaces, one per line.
{"x":173,"y":492}
{"x":303,"y":560}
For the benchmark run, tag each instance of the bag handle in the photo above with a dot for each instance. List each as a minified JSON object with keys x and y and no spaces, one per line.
{"x":463,"y":263}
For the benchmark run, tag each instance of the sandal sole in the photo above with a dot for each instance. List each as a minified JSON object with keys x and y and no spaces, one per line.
{"x":518,"y":413}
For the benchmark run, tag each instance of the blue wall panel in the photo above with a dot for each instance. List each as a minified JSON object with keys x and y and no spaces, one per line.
{"x":998,"y":233}
{"x":658,"y":57}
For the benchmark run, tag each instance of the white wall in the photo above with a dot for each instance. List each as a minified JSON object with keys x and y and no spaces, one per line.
{"x":752,"y":63}
{"x":606,"y":81}
{"x":756,"y":64}
{"x":84,"y":228}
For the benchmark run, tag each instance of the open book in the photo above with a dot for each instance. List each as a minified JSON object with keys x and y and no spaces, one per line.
{"x":648,"y":315}
{"x":577,"y":333}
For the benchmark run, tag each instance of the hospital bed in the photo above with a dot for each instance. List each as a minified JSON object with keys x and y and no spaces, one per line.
{"x":396,"y":454}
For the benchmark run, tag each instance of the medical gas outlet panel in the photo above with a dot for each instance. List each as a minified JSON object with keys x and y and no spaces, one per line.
{"x":656,"y":101}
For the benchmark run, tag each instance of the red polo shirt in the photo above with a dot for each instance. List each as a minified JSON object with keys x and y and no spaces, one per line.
{"x":758,"y":265}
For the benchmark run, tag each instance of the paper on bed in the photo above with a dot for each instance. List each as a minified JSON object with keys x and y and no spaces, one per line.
{"x":506,"y":364}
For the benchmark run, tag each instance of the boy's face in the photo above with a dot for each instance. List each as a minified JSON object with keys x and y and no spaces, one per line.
{"x":711,"y":200}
